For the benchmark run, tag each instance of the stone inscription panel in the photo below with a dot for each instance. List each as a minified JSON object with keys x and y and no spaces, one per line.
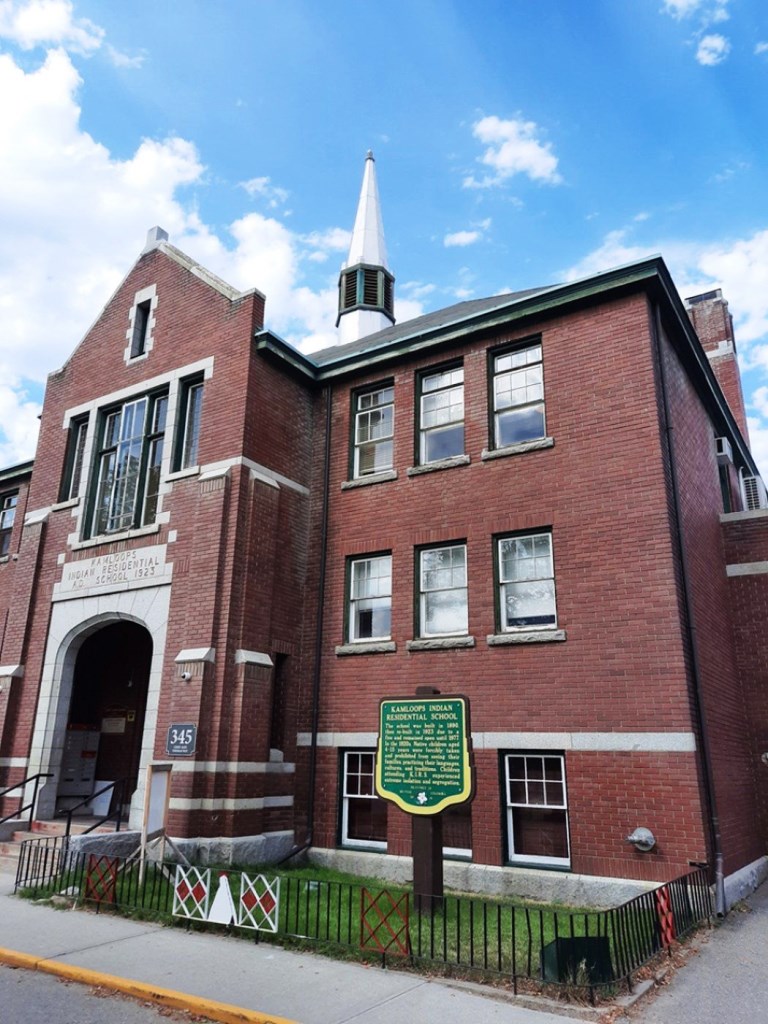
{"x":144,"y":566}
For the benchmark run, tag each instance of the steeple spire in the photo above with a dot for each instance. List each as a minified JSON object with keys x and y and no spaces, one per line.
{"x":366,"y":287}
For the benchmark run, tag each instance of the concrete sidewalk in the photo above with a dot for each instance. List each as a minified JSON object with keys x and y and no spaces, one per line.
{"x":726,"y":981}
{"x":261,"y":983}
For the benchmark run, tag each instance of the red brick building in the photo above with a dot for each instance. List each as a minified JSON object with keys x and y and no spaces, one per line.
{"x":544,"y":501}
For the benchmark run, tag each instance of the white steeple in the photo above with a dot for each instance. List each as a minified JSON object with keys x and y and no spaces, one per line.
{"x":365,"y":284}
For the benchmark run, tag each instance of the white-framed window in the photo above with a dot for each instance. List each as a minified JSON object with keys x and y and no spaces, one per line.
{"x":128,"y":464}
{"x":443,"y":591}
{"x":7,"y":516}
{"x":441,"y":415}
{"x":526,"y":578}
{"x":188,"y":440}
{"x":518,"y":396}
{"x":73,"y":466}
{"x":457,"y":830}
{"x":370,"y":598}
{"x":363,"y":813}
{"x":141,"y":324}
{"x":374,"y":431}
{"x":537,"y":809}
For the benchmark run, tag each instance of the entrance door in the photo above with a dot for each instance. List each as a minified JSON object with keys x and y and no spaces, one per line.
{"x":106,"y":713}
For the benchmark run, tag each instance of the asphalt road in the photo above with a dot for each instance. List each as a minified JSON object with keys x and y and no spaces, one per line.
{"x":27,"y":997}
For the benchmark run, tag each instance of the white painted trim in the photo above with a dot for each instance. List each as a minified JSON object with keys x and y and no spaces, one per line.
{"x":138,"y":389}
{"x":148,"y":294}
{"x":110,"y":538}
{"x":234,"y":767}
{"x":71,"y":622}
{"x":640,"y":742}
{"x":229,"y":804}
{"x":256,"y":467}
{"x":13,"y":762}
{"x":338,"y":739}
{"x":253,"y":658}
{"x":746,"y":569}
{"x":737,"y":517}
{"x":196,"y":654}
{"x":11,"y":671}
{"x":37,"y":516}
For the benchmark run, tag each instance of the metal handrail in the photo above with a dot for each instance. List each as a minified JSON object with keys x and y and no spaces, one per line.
{"x":118,"y":787}
{"x":27,"y":807}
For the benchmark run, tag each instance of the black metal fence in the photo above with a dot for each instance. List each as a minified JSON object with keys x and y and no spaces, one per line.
{"x":466,"y":935}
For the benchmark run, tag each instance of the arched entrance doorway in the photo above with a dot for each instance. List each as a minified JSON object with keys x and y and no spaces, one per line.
{"x":106,"y":714}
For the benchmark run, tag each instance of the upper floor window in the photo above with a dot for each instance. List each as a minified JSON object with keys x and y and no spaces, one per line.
{"x":128,"y":462}
{"x":443,"y":591}
{"x":141,"y":324}
{"x":370,"y":598}
{"x":518,"y":396}
{"x":441,"y":415}
{"x":73,"y":466}
{"x":140,"y":328}
{"x":188,"y":438}
{"x":7,"y":515}
{"x":526,"y":582}
{"x":374,"y":430}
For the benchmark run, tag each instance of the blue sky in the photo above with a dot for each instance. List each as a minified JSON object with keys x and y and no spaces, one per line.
{"x":518,"y":143}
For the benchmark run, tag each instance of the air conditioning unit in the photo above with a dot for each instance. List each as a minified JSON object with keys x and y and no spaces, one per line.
{"x":723,"y":450}
{"x":755,"y":496}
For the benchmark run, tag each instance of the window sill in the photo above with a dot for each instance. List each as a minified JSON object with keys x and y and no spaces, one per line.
{"x":433,"y":467}
{"x":531,"y":636}
{"x":517,"y":449}
{"x":111,"y":538}
{"x":364,"y":847}
{"x":540,"y":865}
{"x":374,"y":647}
{"x":443,"y":643}
{"x":69,"y":503}
{"x":374,"y":478}
{"x":182,"y":474}
{"x":4,"y":559}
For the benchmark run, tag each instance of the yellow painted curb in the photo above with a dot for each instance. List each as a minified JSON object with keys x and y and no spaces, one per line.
{"x":223,"y":1012}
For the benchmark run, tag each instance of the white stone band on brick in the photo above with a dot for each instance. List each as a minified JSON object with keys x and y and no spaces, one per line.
{"x":746,"y":569}
{"x":229,"y":804}
{"x":640,"y":742}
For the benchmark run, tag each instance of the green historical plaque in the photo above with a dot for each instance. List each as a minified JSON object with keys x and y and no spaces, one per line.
{"x":423,"y":758}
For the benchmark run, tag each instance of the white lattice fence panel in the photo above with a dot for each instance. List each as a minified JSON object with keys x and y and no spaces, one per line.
{"x":259,"y":903}
{"x":191,"y":891}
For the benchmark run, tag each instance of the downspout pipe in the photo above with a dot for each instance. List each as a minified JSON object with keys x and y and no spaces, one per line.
{"x":319,"y":622}
{"x":691,"y":637}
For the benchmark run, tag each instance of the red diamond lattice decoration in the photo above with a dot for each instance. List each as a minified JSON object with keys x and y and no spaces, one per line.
{"x":258,"y":906}
{"x":190,"y":893}
{"x":101,"y":879}
{"x":384,"y":922}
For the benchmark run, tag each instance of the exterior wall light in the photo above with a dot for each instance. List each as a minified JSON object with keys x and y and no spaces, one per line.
{"x":642,"y":839}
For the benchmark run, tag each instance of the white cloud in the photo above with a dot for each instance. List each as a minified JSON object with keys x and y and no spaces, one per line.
{"x":712,"y":50}
{"x":18,"y":414}
{"x":461,"y":238}
{"x":740,"y":268}
{"x":122,"y":60}
{"x":710,"y":12}
{"x":48,"y":22}
{"x":263,"y":187}
{"x":761,"y":48}
{"x":513,"y":147}
{"x":74,"y":218}
{"x":681,"y":8}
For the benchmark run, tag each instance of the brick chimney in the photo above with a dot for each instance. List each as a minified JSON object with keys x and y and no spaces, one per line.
{"x":714,"y":326}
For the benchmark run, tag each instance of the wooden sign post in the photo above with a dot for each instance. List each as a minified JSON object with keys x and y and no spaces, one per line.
{"x":424,"y":765}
